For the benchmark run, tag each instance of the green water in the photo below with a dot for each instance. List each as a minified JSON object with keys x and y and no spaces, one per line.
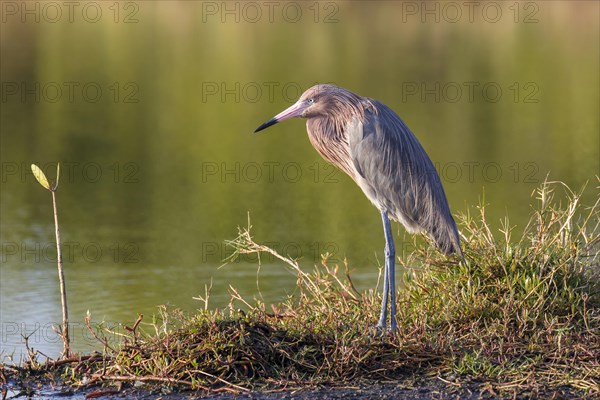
{"x":150,"y":108}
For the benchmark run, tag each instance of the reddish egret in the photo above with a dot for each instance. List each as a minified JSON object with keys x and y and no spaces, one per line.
{"x":369,"y":142}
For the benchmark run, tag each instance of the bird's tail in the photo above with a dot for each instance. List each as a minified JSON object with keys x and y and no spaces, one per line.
{"x":445,"y":235}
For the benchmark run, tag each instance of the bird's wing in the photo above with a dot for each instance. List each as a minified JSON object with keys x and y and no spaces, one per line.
{"x":397,"y":175}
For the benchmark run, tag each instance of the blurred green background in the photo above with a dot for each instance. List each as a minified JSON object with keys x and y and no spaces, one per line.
{"x":150,"y":108}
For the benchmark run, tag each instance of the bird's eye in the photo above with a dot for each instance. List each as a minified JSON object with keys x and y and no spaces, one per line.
{"x":311,"y":101}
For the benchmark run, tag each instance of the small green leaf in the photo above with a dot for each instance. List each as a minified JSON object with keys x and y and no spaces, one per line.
{"x":40,"y":176}
{"x":57,"y":176}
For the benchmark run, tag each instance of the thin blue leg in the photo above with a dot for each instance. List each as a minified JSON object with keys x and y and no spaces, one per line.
{"x":390,"y":254}
{"x":389,"y":276}
{"x":384,"y":303}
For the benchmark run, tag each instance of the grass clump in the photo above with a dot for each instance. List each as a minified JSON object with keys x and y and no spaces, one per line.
{"x":523,"y":313}
{"x":520,"y":317}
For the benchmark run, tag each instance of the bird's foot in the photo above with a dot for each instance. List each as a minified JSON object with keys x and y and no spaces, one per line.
{"x":384,"y":330}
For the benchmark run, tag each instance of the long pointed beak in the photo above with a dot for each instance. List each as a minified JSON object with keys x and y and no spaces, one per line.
{"x":295,"y":110}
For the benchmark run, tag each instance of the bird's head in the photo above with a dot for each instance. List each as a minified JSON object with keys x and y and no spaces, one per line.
{"x":319,"y":100}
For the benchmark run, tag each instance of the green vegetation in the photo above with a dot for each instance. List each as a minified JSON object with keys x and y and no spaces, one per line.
{"x":521,"y":317}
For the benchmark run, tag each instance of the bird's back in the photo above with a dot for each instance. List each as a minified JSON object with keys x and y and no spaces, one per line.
{"x":398,"y":176}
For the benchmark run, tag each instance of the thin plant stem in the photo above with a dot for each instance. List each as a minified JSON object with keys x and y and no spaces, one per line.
{"x":61,"y":278}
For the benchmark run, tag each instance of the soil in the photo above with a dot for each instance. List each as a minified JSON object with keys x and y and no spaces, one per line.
{"x":418,"y":388}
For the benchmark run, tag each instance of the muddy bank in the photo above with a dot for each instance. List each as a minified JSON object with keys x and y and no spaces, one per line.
{"x":16,"y":386}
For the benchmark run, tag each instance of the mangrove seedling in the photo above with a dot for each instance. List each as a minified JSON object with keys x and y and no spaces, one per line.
{"x":64,"y":331}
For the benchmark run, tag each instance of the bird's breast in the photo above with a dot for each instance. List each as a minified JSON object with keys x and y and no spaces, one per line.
{"x":332,"y":144}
